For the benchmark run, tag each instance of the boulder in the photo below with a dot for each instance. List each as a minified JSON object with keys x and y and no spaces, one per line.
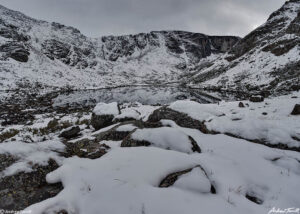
{"x":296,"y":110}
{"x":104,"y":114}
{"x":24,"y":189}
{"x":101,"y":121}
{"x":180,"y":119}
{"x":241,"y":105}
{"x":86,"y":148}
{"x":70,"y":132}
{"x":256,"y":99}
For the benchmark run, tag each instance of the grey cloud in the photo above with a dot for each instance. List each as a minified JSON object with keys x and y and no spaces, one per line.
{"x":104,"y":17}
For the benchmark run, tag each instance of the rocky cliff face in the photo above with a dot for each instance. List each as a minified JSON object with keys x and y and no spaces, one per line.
{"x":196,"y":46}
{"x":266,"y":59}
{"x":51,"y":54}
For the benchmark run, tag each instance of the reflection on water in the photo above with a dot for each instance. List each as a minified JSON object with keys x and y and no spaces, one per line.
{"x":145,"y":95}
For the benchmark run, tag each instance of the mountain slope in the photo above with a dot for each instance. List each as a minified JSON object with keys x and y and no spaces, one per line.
{"x":266,"y":59}
{"x":43,"y":54}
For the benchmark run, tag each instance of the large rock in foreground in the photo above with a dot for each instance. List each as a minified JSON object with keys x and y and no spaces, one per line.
{"x":103,"y":115}
{"x":24,"y":189}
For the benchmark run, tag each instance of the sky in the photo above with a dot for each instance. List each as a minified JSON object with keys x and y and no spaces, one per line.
{"x":97,"y":18}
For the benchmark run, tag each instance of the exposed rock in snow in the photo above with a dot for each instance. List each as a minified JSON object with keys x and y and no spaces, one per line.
{"x":103,"y":114}
{"x":194,"y":179}
{"x":241,"y":105}
{"x":181,"y":119}
{"x":86,"y":149}
{"x":296,"y":110}
{"x":256,"y":99}
{"x":70,"y":132}
{"x":19,"y":191}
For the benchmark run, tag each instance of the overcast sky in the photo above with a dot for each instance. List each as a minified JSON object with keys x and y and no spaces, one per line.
{"x":105,"y":17}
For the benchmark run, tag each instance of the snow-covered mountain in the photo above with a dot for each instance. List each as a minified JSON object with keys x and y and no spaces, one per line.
{"x":266,"y":59}
{"x":36,"y":53}
{"x":39,"y":53}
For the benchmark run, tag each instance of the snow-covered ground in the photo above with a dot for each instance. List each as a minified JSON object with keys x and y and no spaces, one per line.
{"x":247,"y":177}
{"x":269,"y":121}
{"x":126,"y":180}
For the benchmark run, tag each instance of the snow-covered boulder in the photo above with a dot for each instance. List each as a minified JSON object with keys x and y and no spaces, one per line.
{"x":19,"y":190}
{"x":127,"y":115}
{"x":103,"y":114}
{"x":181,"y":118}
{"x":164,"y":137}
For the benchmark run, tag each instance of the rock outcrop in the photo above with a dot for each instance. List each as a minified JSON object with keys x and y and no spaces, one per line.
{"x":266,"y":59}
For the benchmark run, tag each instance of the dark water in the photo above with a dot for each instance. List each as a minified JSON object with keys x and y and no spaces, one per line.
{"x":149,"y":95}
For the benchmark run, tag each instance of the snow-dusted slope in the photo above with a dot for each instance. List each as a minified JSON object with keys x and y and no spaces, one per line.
{"x":266,"y":59}
{"x":50,"y":54}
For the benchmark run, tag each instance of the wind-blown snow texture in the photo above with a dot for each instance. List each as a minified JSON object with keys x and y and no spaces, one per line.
{"x":39,"y":53}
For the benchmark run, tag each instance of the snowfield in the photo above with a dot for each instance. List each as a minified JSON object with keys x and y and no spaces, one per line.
{"x":229,"y":175}
{"x":126,"y":180}
{"x":269,"y":121}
